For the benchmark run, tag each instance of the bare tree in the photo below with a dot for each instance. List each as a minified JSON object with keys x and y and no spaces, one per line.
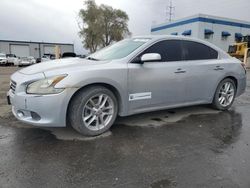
{"x":101,"y":25}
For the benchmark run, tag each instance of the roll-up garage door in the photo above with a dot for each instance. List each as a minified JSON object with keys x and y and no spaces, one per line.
{"x":49,"y":49}
{"x":20,"y":50}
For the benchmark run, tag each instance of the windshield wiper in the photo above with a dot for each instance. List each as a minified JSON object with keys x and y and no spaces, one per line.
{"x":91,"y":58}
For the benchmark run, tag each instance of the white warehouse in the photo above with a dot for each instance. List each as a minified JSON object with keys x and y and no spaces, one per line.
{"x":220,"y":31}
{"x":35,"y":49}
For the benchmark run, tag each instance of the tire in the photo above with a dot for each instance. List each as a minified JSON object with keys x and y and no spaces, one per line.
{"x":224,"y":104}
{"x":81,"y":110}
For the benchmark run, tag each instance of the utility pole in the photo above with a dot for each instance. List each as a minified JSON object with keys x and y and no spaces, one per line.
{"x":170,"y":11}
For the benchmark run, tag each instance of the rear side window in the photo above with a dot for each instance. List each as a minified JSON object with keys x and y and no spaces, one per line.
{"x":198,"y":51}
{"x":170,"y":50}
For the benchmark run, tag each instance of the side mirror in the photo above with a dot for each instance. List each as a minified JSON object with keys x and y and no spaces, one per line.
{"x":150,"y":57}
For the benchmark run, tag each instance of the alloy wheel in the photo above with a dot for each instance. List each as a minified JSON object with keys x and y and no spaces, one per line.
{"x":226,"y":94}
{"x":98,"y":112}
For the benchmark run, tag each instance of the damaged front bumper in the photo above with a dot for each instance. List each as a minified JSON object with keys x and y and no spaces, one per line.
{"x":39,"y":110}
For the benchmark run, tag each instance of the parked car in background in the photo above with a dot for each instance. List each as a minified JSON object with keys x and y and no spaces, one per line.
{"x":12,"y":59}
{"x":132,"y":76}
{"x":3,"y":59}
{"x":81,"y":56}
{"x":48,"y":57}
{"x":25,"y":61}
{"x":45,"y":58}
{"x":68,"y":54}
{"x":38,"y":60}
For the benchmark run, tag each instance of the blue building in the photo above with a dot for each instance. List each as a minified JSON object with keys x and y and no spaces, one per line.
{"x":220,"y":31}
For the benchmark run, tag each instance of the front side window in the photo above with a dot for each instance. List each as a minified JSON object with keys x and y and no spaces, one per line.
{"x":197,"y":51}
{"x":119,"y":50}
{"x":170,"y":50}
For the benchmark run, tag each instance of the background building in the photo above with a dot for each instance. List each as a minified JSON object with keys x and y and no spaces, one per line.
{"x":35,"y":49}
{"x":220,"y":31}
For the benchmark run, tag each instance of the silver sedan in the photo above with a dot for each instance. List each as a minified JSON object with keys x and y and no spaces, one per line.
{"x":132,"y":76}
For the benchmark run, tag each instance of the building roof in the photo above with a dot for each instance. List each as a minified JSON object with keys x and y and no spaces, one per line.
{"x":34,"y":42}
{"x":202,"y":18}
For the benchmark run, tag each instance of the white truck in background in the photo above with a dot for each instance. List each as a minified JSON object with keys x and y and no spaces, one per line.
{"x":12,"y":59}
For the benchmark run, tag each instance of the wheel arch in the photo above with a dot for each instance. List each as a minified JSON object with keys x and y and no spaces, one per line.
{"x":220,"y":80}
{"x":111,"y":87}
{"x":232,"y":78}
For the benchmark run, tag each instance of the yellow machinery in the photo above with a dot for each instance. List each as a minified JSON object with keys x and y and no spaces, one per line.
{"x":241,"y":49}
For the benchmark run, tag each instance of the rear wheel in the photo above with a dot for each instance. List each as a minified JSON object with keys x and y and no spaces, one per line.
{"x":93,"y":111}
{"x":224,"y":95}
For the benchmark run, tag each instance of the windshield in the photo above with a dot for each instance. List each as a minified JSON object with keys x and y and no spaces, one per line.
{"x":2,"y":55}
{"x":118,"y":50}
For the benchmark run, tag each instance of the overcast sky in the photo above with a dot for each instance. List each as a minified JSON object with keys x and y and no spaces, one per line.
{"x":56,"y":20}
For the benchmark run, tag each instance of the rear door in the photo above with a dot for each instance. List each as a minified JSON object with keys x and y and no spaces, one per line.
{"x":153,"y":85}
{"x":204,"y":69}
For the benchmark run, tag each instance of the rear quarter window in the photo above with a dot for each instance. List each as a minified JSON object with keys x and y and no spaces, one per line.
{"x":198,"y":51}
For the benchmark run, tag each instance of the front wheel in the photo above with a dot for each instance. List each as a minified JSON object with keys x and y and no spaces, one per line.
{"x":93,"y":110}
{"x":224,"y":95}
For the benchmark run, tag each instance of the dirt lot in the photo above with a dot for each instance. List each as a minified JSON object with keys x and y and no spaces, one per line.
{"x":187,"y":147}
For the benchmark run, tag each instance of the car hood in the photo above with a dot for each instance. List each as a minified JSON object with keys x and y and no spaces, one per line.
{"x":59,"y":64}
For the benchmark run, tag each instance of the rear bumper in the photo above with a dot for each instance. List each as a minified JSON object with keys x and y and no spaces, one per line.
{"x":41,"y":110}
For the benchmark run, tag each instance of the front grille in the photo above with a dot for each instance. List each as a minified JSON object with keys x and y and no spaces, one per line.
{"x":13,"y":86}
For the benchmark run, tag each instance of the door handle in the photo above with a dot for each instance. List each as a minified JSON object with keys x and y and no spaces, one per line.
{"x":179,"y":70}
{"x":218,"y":68}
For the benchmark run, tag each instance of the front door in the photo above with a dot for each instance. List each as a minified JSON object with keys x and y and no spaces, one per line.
{"x":155,"y":85}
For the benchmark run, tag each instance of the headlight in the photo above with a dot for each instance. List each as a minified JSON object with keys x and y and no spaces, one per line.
{"x":45,"y":86}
